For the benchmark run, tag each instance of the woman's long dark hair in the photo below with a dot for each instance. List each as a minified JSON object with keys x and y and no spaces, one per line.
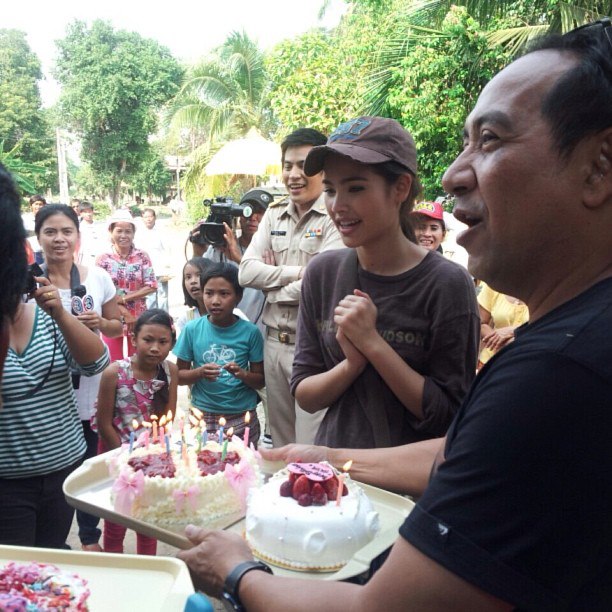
{"x":54,"y":209}
{"x":157,"y":316}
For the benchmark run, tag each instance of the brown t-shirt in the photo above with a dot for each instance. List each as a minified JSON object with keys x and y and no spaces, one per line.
{"x":428,"y":315}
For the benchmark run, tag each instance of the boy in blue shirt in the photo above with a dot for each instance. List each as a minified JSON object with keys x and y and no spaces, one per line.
{"x":221,"y":356}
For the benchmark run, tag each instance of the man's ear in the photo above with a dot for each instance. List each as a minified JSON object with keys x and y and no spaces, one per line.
{"x":599,"y":179}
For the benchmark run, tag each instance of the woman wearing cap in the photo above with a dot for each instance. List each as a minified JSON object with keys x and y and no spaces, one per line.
{"x":427,"y":220}
{"x":388,"y":331}
{"x":133,"y":277}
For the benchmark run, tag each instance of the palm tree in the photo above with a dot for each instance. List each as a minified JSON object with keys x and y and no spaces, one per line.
{"x":422,"y":18}
{"x":222,"y":97}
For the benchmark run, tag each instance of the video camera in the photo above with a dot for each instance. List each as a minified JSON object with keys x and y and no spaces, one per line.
{"x":222,"y":210}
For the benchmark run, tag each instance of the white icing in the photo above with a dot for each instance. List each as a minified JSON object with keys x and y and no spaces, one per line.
{"x":320,"y":537}
{"x":213,"y":496}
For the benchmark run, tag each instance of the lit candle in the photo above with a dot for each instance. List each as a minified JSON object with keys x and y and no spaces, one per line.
{"x":167,"y":438}
{"x":222,"y":422}
{"x":184,"y":453}
{"x":132,"y":434}
{"x":345,"y":468}
{"x":154,"y":419}
{"x":230,"y":432}
{"x":245,"y":437}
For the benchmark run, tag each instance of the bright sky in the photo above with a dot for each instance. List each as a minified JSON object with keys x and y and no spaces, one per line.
{"x":189,"y":28}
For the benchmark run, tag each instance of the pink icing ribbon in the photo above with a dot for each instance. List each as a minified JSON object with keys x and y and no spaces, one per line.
{"x":240,"y":477}
{"x":127,"y":487}
{"x":188,"y":497}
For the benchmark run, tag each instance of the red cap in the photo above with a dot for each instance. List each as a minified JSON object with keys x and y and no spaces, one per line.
{"x":429,"y":209}
{"x":368,"y":140}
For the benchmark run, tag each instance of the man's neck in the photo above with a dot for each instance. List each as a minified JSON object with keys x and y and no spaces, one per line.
{"x":302,"y":209}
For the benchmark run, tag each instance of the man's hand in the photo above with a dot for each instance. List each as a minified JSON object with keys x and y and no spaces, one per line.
{"x":213,"y":556}
{"x":231,"y":249}
{"x":295,"y":453}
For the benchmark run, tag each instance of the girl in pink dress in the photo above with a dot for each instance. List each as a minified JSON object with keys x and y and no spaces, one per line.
{"x":134,"y":389}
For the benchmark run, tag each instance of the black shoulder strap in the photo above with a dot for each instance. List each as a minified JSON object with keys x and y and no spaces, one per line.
{"x":75,"y":276}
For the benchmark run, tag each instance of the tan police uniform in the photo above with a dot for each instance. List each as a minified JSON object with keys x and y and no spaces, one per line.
{"x":294,"y":241}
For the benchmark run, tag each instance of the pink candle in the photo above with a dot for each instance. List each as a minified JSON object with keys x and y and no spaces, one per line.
{"x":345,"y":468}
{"x":247,"y":420}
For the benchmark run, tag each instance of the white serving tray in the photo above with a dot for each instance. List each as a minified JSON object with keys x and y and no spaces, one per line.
{"x":117,"y":582}
{"x":88,"y":488}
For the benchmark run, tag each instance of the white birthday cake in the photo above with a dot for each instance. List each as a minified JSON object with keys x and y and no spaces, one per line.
{"x":297,"y":519}
{"x":194,"y":486}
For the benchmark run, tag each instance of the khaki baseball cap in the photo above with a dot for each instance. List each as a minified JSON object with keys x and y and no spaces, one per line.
{"x":368,"y":140}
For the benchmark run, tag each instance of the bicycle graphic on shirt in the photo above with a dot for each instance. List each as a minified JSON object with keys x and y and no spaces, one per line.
{"x":221,"y":355}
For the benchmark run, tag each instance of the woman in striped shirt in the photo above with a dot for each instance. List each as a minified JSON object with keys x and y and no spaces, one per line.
{"x":41,"y":439}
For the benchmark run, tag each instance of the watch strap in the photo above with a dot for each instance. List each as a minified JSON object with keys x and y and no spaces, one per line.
{"x":232,"y":582}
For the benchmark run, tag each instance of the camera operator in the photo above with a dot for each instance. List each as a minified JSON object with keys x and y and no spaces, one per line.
{"x":233,"y":247}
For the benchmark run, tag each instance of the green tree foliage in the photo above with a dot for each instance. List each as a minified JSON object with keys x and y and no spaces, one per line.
{"x":318,"y":79}
{"x":23,"y":125}
{"x":435,"y":87}
{"x":113,"y":85}
{"x":152,"y":177}
{"x":220,"y":99}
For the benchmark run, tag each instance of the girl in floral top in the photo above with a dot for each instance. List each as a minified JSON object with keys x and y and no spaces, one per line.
{"x":136,"y":388}
{"x":133,"y":277}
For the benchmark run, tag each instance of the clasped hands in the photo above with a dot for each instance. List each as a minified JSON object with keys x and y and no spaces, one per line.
{"x":211,"y":371}
{"x":355,"y":317}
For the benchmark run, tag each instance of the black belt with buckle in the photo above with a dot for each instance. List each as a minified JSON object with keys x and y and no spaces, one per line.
{"x":281,"y":336}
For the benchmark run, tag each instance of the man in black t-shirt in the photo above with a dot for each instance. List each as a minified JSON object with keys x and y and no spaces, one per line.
{"x":515,"y":503}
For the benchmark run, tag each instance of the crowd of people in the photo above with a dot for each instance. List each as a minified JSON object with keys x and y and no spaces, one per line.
{"x":367,"y":341}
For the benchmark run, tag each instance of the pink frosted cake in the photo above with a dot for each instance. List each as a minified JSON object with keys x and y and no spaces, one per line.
{"x":196,"y":486}
{"x":297,"y":519}
{"x":41,"y":586}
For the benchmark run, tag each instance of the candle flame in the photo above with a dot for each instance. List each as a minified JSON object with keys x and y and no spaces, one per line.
{"x":198,"y":413}
{"x":154,"y":417}
{"x":193,"y":420}
{"x":347,"y":466}
{"x":247,"y":418}
{"x":162,"y":421}
{"x":230,"y":432}
{"x":169,"y":416}
{"x":222,"y":422}
{"x":146,"y":424}
{"x":135,"y":424}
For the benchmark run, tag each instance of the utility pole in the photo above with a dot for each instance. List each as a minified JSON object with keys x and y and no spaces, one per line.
{"x":62,"y":168}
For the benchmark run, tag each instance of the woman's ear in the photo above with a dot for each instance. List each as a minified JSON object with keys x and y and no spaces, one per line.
{"x":402,"y":186}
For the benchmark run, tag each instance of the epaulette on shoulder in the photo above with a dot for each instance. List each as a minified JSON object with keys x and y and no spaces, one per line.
{"x":282,"y":202}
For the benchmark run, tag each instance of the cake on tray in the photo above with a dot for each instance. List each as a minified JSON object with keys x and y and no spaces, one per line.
{"x":194,"y":485}
{"x":298,"y":521}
